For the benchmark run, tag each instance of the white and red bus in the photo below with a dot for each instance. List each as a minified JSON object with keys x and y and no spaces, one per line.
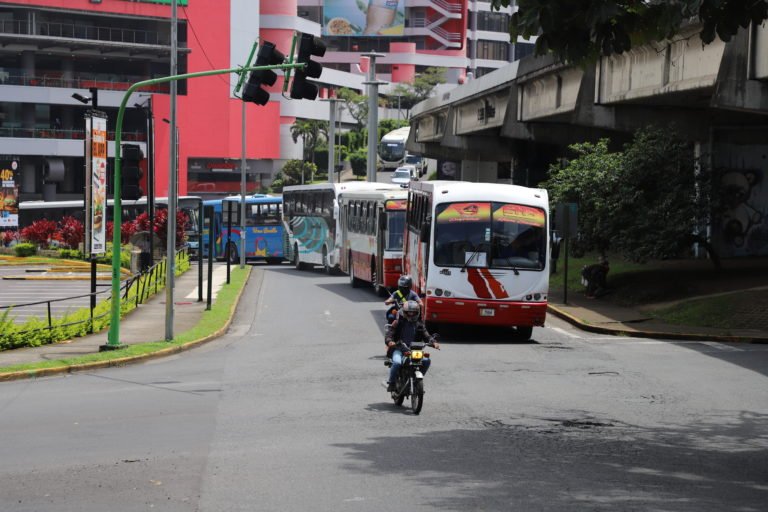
{"x":372,"y":228}
{"x":478,"y":253}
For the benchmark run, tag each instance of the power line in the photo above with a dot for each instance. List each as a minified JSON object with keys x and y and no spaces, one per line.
{"x":202,"y":48}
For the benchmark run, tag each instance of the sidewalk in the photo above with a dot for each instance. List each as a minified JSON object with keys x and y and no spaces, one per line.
{"x":599,"y":316}
{"x":144,"y":324}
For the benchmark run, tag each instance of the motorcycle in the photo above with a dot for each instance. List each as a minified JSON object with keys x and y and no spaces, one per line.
{"x":409,"y":382}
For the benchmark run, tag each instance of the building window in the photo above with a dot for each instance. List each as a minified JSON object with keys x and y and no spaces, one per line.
{"x":492,"y":50}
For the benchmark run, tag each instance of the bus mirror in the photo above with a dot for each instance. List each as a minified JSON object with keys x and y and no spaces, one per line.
{"x":424,"y":233}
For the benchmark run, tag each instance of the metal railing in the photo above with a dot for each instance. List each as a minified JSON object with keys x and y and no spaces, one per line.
{"x":56,"y":79}
{"x":57,"y":133}
{"x":87,"y":32}
{"x":144,"y":281}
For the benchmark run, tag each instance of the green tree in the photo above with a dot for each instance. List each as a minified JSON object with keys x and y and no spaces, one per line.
{"x":310,"y":132}
{"x":298,"y":172}
{"x":645,"y":202}
{"x":356,"y":104}
{"x":578,"y":31}
{"x":411,"y":93}
{"x":588,"y":179}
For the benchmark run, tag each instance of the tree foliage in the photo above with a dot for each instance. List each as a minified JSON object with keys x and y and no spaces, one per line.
{"x":297,"y":172}
{"x":356,"y":104}
{"x":645,"y":202}
{"x":579,"y":31}
{"x":411,"y":93}
{"x":311,"y":132}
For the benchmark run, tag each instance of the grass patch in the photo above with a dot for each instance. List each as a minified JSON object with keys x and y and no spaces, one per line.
{"x":743,"y":310}
{"x":210,"y":322}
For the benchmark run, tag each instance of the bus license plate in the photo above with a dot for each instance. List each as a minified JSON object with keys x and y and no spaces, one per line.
{"x":487,"y":312}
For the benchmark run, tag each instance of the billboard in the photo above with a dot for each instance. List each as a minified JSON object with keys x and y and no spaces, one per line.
{"x":96,"y":178}
{"x":9,"y":194}
{"x":364,"y":17}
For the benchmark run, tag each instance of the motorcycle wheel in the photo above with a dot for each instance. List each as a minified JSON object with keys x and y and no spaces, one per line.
{"x":417,"y":399}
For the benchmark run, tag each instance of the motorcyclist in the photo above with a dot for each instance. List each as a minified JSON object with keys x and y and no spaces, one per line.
{"x":400,"y":296}
{"x":405,"y":330}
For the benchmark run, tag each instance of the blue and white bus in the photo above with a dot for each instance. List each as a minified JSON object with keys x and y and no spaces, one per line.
{"x":265,"y":237}
{"x":311,"y":219}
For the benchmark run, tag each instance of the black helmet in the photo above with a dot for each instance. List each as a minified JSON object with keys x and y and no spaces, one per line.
{"x":404,"y":284}
{"x":411,"y":310}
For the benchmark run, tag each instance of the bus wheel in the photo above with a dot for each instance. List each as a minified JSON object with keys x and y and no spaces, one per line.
{"x":232,"y":253}
{"x":326,"y":266}
{"x":296,"y":261}
{"x":522,"y":333}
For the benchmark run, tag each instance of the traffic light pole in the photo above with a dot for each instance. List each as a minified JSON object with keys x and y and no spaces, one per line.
{"x":114,"y":325}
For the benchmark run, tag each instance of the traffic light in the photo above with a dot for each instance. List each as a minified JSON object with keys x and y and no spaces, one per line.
{"x":130,"y":172}
{"x":268,"y":56}
{"x":309,"y":46}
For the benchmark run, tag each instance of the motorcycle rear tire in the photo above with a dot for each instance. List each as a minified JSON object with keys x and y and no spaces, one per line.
{"x":417,"y":399}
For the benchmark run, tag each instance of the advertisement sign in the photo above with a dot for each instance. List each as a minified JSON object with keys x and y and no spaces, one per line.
{"x":364,"y":17}
{"x":465,"y":212}
{"x":520,"y":214}
{"x":9,"y":195}
{"x":96,"y":178}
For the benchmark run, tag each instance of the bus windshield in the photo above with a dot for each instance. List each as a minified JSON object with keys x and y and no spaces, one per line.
{"x":485,"y":234}
{"x":391,"y":151}
{"x":395,"y":230}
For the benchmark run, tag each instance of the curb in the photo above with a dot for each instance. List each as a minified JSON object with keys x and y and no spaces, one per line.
{"x":47,"y":372}
{"x":653,"y":334}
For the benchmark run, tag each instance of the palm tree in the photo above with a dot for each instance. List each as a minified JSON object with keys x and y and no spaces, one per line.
{"x":309,"y":131}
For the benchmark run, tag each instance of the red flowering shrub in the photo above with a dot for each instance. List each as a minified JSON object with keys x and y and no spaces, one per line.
{"x":40,"y":232}
{"x":161,"y":225}
{"x":9,"y":237}
{"x":71,"y":232}
{"x":127,"y":229}
{"x":110,"y":230}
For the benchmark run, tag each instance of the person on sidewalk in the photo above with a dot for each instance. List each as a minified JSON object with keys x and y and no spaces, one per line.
{"x":595,"y":278}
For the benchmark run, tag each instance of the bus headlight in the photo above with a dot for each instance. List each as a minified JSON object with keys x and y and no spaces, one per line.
{"x":439,"y":292}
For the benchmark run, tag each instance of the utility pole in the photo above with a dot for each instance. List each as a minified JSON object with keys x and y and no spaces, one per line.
{"x":373,"y":113}
{"x":242,"y":191}
{"x":172,"y":177}
{"x":332,"y":138}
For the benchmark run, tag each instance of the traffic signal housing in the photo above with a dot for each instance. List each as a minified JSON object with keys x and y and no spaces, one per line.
{"x":308,"y":46}
{"x":130,"y":172}
{"x":268,"y":56}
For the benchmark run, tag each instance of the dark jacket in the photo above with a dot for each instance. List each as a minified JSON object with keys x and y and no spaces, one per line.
{"x":401,"y":330}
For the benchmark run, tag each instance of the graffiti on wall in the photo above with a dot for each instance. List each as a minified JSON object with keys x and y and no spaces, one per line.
{"x":744,"y":226}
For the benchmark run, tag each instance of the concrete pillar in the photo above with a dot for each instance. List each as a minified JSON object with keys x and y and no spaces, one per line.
{"x":403,"y":72}
{"x":28,"y":178}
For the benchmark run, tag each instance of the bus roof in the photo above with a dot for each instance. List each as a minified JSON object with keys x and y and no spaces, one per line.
{"x":400,"y":134}
{"x":452,"y":191}
{"x":339,"y":188}
{"x":394,"y":192}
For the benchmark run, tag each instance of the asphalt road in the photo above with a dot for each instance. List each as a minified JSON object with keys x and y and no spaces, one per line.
{"x":286,"y":413}
{"x":16,"y":292}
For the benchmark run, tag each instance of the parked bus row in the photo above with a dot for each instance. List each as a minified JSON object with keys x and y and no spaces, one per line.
{"x":477,"y":252}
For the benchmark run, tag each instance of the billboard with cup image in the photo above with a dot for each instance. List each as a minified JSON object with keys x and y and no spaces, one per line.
{"x":363,"y":17}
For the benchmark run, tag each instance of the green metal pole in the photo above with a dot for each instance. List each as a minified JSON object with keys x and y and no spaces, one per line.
{"x":113,"y":338}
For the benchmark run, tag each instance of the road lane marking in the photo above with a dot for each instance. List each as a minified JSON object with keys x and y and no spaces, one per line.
{"x":720,"y":346}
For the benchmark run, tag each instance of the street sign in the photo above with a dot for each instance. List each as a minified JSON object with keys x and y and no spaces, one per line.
{"x":566,"y":218}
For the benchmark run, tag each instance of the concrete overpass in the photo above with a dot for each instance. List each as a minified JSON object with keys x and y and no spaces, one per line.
{"x":509,"y":125}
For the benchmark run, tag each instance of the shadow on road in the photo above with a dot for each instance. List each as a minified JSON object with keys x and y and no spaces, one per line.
{"x":574,"y":463}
